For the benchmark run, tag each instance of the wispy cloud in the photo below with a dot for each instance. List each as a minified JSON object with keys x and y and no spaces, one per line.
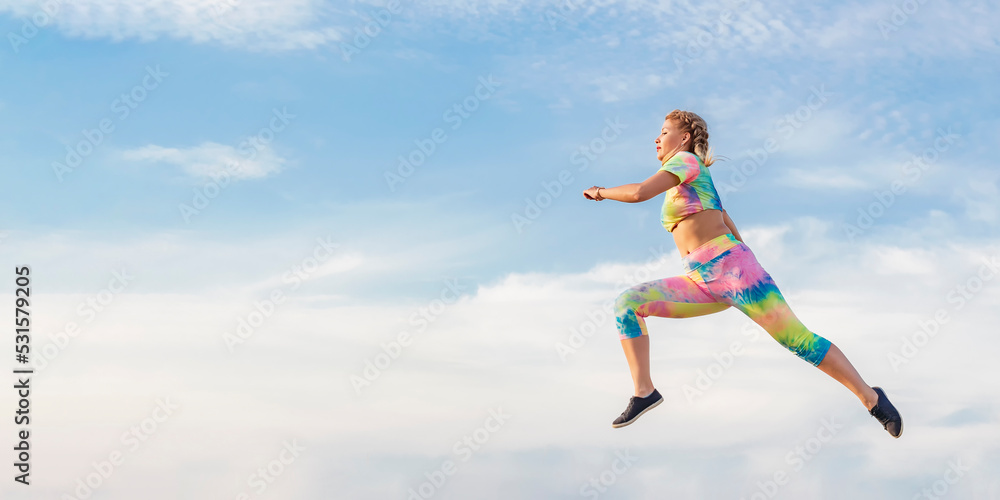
{"x":981,"y":196}
{"x":248,"y":24}
{"x":777,"y":29}
{"x":819,"y":179}
{"x":211,"y":160}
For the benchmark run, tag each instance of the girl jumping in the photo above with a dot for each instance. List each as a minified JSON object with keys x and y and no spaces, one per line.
{"x":719,"y":271}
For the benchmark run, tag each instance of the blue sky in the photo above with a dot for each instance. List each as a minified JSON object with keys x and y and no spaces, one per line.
{"x":842,"y":96}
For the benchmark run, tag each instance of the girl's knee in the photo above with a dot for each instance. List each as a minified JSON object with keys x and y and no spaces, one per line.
{"x":628,"y":322}
{"x":625,"y":302}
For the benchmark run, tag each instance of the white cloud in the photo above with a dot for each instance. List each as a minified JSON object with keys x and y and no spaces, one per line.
{"x":895,"y":260}
{"x":496,"y":347}
{"x":212,"y":160}
{"x":308,"y":270}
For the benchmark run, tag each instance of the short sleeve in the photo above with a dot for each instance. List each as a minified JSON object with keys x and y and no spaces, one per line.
{"x":684,"y":165}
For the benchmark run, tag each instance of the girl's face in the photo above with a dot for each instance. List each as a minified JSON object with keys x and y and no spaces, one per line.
{"x":670,"y":141}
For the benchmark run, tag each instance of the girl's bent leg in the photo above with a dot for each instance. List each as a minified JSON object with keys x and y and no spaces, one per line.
{"x":674,"y":297}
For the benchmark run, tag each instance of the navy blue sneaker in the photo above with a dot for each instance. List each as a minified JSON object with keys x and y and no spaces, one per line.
{"x":886,"y":414}
{"x":636,"y":407}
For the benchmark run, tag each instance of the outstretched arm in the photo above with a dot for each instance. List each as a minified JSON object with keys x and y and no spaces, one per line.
{"x":637,"y":191}
{"x":728,"y":221}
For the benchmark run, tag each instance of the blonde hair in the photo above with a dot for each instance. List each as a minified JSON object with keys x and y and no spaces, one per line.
{"x":690,"y":122}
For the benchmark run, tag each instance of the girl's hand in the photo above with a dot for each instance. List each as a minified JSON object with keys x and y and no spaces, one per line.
{"x":591,"y":193}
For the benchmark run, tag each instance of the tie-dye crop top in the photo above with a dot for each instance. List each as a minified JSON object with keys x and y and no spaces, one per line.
{"x":695,"y":193}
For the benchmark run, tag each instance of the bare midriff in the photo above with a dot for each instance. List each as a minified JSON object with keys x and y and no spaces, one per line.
{"x":697,"y":229}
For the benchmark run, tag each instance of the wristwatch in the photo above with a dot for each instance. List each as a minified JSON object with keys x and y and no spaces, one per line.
{"x":598,"y":192}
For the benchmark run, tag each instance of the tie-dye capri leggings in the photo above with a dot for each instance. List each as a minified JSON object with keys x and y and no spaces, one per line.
{"x":720,"y":273}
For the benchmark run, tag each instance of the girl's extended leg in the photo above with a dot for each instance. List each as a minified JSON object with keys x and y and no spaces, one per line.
{"x":674,"y":297}
{"x":745,"y":284}
{"x":775,"y":316}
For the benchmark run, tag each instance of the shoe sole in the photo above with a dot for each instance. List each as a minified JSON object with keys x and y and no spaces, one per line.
{"x":623,"y":424}
{"x":897,"y":411}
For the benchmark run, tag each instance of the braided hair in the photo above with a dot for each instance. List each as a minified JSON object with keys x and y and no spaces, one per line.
{"x":687,"y":121}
